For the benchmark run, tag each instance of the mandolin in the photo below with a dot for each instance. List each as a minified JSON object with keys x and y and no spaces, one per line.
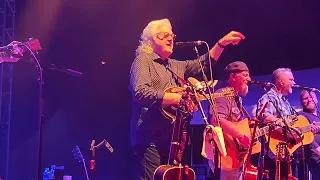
{"x":282,"y":155}
{"x":170,"y":111}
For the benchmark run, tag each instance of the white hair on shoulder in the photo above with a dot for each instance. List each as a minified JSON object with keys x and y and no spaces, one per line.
{"x":150,"y":30}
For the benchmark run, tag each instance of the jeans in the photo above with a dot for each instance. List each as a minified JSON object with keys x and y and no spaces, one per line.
{"x":314,"y":168}
{"x":234,"y":174}
{"x":149,"y":159}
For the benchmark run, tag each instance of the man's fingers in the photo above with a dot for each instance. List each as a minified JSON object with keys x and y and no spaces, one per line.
{"x":237,"y":34}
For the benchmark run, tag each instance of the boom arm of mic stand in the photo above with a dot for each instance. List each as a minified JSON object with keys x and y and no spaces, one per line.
{"x":211,"y":100}
{"x":40,"y":115}
{"x":250,"y":148}
{"x":256,"y":123}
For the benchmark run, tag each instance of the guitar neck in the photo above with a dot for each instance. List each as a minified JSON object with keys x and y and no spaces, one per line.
{"x":277,"y":176}
{"x":262,"y":131}
{"x":265,"y":130}
{"x":179,"y":136}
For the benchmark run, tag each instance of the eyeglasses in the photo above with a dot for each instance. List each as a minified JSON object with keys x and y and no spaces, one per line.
{"x":163,"y":35}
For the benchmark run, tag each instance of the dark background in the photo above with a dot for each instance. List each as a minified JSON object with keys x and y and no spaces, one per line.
{"x":81,"y":34}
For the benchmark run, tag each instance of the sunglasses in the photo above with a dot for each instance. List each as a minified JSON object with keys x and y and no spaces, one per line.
{"x":165,"y":35}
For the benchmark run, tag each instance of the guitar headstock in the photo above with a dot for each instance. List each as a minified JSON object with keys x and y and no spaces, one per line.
{"x":281,"y":151}
{"x":77,"y":154}
{"x":33,"y":44}
{"x":229,"y":92}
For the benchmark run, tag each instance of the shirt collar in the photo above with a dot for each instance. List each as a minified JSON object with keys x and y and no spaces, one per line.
{"x":283,"y":97}
{"x":155,"y":57}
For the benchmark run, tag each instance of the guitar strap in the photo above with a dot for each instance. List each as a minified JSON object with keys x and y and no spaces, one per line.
{"x":245,"y":112}
{"x":179,"y":78}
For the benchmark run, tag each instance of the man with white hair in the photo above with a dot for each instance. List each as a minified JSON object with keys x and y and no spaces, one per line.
{"x":151,"y":73}
{"x":278,"y":108}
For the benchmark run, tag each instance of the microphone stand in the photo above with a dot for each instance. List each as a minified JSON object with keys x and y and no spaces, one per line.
{"x":262,"y":174}
{"x":202,"y":92}
{"x":212,"y":104}
{"x":41,"y":106}
{"x":40,"y":113}
{"x":303,"y":160}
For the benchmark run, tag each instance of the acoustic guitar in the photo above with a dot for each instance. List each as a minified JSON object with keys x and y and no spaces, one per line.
{"x":79,"y":157}
{"x":236,"y":153}
{"x":302,"y":124}
{"x":170,"y":111}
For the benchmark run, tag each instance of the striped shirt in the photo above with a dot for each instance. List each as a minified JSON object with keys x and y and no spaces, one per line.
{"x":149,"y":77}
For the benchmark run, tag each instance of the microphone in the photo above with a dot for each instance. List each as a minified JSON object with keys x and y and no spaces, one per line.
{"x":260,"y":83}
{"x":304,"y":88}
{"x":67,"y":71}
{"x":189,"y":43}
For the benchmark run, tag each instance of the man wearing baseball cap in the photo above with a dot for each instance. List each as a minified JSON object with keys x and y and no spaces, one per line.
{"x":229,"y":110}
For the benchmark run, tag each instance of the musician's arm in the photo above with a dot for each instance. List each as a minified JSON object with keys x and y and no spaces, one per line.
{"x":14,"y":55}
{"x":141,"y":86}
{"x":268,"y":114}
{"x":232,"y":37}
{"x":315,"y":147}
{"x":215,"y":52}
{"x":270,"y":119}
{"x":193,"y":68}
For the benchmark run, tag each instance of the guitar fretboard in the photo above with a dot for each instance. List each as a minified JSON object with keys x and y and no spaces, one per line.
{"x":262,"y":131}
{"x":265,"y":130}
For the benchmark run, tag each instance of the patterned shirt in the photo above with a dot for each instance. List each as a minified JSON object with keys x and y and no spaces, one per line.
{"x":229,"y":108}
{"x":149,"y":77}
{"x":278,"y":106}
